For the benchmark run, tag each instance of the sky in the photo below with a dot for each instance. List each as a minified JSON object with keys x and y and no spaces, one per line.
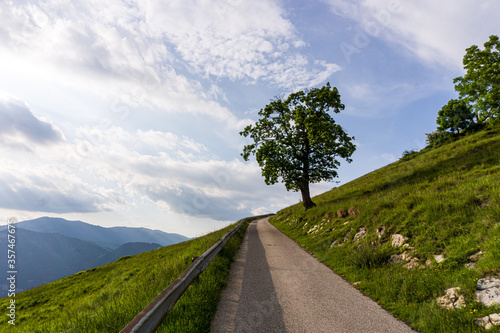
{"x":128,"y":112}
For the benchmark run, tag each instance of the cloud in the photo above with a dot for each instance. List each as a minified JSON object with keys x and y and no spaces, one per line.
{"x":20,"y":128}
{"x":437,"y":32}
{"x":239,"y":40}
{"x":235,"y":39}
{"x":176,"y":173}
{"x":47,"y":189}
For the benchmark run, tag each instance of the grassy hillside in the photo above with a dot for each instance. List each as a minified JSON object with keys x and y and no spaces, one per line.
{"x":107,"y":298}
{"x":446,"y":201}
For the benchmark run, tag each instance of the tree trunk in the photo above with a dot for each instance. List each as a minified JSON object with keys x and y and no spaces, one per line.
{"x":306,"y":196}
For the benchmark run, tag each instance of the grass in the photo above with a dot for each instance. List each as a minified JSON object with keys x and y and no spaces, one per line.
{"x":108,"y":297}
{"x":446,"y":200}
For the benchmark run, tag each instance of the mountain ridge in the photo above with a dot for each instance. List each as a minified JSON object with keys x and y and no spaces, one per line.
{"x":48,"y":249}
{"x":111,"y":237}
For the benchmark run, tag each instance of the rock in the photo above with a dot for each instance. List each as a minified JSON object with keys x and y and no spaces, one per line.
{"x":475,"y":257}
{"x":495,"y":318}
{"x":439,"y":258}
{"x":488,"y":321}
{"x":452,"y":299}
{"x":470,"y":265}
{"x":488,"y":290}
{"x":488,"y":282}
{"x":483,"y":322}
{"x":346,"y":237}
{"x":399,"y":258}
{"x":412,"y":264}
{"x":359,"y":235}
{"x":314,"y":229}
{"x":488,"y":296}
{"x":398,"y":240}
{"x":380,"y":231}
{"x":428,"y":262}
{"x":341,"y":213}
{"x":353,"y":211}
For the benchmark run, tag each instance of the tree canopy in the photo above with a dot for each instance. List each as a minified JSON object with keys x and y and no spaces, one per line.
{"x":298,"y":142}
{"x":480,"y":86}
{"x":454,"y":116}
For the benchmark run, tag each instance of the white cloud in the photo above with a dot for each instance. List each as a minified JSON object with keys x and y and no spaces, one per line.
{"x":47,"y":189}
{"x":438,"y":32}
{"x":21,"y":129}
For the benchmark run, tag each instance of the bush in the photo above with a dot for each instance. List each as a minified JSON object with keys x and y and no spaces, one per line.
{"x":436,"y":139}
{"x":408,"y":155}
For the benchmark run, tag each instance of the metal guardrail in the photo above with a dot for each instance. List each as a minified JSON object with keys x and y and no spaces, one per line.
{"x":155,"y":312}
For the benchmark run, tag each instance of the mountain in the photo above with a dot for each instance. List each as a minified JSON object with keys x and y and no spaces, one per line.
{"x":45,"y":257}
{"x":48,"y":249}
{"x":127,"y":249}
{"x":106,"y":237}
{"x":108,"y":297}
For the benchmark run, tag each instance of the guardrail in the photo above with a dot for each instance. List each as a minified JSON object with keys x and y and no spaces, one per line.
{"x":155,"y":312}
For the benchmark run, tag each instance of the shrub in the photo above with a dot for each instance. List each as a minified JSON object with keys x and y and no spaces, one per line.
{"x":436,"y":139}
{"x":408,"y":155}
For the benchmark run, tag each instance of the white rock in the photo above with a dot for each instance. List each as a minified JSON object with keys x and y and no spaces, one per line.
{"x":483,"y":322}
{"x":398,"y":240}
{"x":452,"y":299}
{"x":412,"y":264}
{"x":495,"y":318}
{"x":488,"y":296}
{"x":439,"y":258}
{"x":488,"y":282}
{"x":359,"y":235}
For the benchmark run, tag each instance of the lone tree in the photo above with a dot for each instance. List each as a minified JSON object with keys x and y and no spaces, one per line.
{"x":296,"y":140}
{"x":480,"y":86}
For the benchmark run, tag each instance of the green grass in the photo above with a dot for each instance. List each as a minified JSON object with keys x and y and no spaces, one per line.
{"x":445,"y":200}
{"x":107,"y":298}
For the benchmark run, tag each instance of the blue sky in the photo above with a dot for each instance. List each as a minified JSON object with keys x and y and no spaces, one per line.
{"x":127,"y":112}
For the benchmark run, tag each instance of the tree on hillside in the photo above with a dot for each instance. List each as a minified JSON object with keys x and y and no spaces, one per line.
{"x":454,"y":116}
{"x":480,"y":86}
{"x":296,"y":140}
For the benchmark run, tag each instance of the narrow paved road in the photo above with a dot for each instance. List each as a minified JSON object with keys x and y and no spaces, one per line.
{"x":276,"y":286}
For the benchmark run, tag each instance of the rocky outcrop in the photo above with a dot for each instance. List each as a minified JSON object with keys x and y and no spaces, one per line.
{"x":359,"y":235}
{"x":474,"y":259}
{"x":488,"y":321}
{"x":452,"y":299}
{"x":398,"y":240}
{"x":488,"y":290}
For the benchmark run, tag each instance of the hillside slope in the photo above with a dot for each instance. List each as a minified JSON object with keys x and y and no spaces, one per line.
{"x":45,"y":257}
{"x":444,"y":202}
{"x":108,"y":297}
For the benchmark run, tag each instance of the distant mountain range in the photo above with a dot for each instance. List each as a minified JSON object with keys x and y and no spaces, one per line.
{"x":48,"y":249}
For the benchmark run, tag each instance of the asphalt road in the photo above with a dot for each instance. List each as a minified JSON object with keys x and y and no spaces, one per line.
{"x":276,"y":286}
